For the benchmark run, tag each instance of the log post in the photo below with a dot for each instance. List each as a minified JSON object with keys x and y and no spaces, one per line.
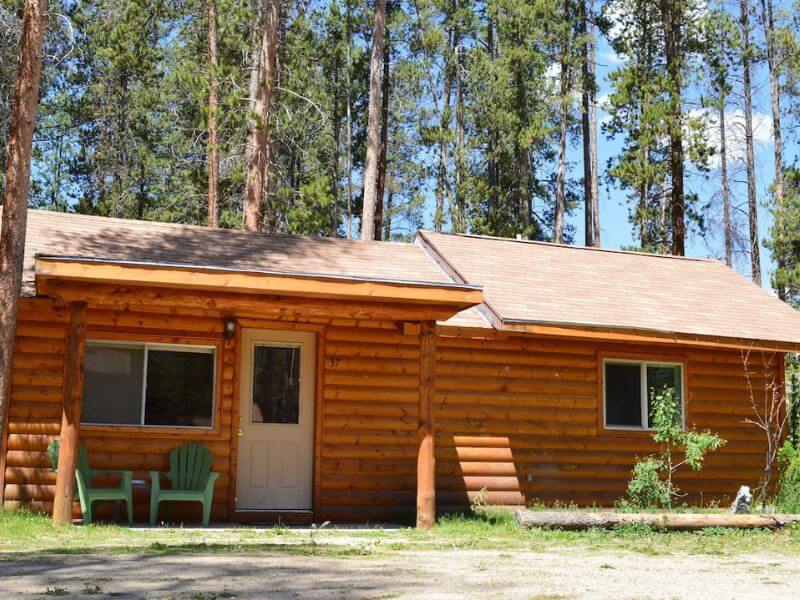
{"x":426,"y":459}
{"x":70,"y":413}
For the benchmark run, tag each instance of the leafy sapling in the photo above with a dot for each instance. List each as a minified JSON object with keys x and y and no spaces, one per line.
{"x":651,"y":485}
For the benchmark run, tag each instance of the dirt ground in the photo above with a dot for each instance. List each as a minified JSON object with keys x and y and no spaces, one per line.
{"x":417,"y":574}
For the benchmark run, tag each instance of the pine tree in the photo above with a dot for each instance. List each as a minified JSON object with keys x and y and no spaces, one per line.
{"x":752,"y":206}
{"x":16,"y":185}
{"x":373,"y":127}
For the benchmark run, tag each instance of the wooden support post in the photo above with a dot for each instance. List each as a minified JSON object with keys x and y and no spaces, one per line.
{"x":426,"y":458}
{"x":70,"y":414}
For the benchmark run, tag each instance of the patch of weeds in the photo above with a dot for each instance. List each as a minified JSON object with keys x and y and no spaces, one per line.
{"x":633,"y":530}
{"x":606,"y":566}
{"x":92,"y":590}
{"x":55,"y":591}
{"x":280,"y":529}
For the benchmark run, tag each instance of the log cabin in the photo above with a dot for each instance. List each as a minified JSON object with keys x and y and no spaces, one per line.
{"x":375,"y":381}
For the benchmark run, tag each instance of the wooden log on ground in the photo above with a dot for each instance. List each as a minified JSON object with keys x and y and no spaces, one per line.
{"x":580,"y":520}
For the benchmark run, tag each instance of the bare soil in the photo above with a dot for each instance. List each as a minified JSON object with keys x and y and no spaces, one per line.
{"x":567,"y":573}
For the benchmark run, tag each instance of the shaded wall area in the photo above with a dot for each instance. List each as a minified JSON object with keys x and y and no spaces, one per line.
{"x":522,"y":417}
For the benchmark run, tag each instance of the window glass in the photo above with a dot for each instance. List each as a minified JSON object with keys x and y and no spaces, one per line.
{"x":180,"y":388}
{"x":658,"y":378}
{"x":623,"y":394}
{"x":276,"y":385}
{"x":112,"y":384}
{"x":143,"y":384}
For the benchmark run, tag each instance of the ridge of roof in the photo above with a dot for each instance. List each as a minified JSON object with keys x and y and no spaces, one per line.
{"x":166,"y":225}
{"x":485,"y":309}
{"x":496,"y":238}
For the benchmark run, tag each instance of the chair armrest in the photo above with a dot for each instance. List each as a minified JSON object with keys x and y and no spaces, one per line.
{"x":125,"y":476}
{"x":212,"y":478}
{"x":155,"y":481}
{"x":120,"y":472}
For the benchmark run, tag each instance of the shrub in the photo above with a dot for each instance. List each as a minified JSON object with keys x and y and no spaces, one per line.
{"x":788,"y":499}
{"x":651,"y":485}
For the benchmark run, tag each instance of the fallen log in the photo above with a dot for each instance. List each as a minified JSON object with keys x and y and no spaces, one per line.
{"x":579,"y":520}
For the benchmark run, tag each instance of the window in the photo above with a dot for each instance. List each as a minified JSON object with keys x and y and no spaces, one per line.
{"x":276,"y":385}
{"x":627,"y":385}
{"x":131,"y":383}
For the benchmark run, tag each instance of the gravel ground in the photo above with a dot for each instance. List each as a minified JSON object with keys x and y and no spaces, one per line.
{"x":419,"y":574}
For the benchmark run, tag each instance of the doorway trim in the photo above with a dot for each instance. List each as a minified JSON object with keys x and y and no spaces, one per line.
{"x":235,"y":344}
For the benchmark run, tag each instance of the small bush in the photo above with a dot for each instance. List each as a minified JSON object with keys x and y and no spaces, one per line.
{"x":646,"y":489}
{"x":494,"y":515}
{"x":788,"y":499}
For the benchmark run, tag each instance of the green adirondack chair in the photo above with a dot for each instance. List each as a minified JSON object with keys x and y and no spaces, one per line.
{"x":190,"y":478}
{"x":90,"y":495}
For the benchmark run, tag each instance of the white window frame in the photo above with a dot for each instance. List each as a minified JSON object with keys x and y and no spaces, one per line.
{"x":147,"y":346}
{"x":643,"y":392}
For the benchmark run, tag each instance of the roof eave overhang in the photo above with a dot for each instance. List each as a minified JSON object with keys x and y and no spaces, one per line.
{"x":633,"y":334}
{"x":49,"y":269}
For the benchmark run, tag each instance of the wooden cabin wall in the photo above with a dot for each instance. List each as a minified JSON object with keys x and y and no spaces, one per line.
{"x":369,"y":402}
{"x":370,"y":408}
{"x":522,"y":418}
{"x":34,"y":416}
{"x":36,"y":396}
{"x":519,"y":416}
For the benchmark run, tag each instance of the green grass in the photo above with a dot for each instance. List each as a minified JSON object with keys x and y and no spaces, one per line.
{"x":25,"y":532}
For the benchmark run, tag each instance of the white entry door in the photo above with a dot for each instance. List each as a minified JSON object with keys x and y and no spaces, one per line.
{"x":276,"y":420}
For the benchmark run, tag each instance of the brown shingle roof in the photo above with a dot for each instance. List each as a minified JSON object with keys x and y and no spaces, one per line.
{"x":120,"y":239}
{"x":523,"y":281}
{"x":568,"y":285}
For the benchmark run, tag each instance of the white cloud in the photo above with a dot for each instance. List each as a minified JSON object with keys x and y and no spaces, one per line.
{"x":611,"y":58}
{"x":735,"y":141}
{"x":603,"y":102}
{"x":553,"y":72}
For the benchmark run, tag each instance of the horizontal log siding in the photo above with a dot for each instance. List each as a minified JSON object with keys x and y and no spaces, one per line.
{"x":504,"y":408}
{"x":369,"y":426}
{"x":520,"y":417}
{"x":34,"y":416}
{"x":36,"y":396}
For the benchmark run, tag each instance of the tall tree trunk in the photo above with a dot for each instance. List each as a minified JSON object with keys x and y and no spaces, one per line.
{"x":768,"y":24}
{"x":349,"y":159}
{"x":672,"y":17}
{"x":589,"y":130}
{"x":459,"y":208}
{"x":492,"y":168}
{"x":752,"y":206}
{"x":257,"y":150}
{"x":593,"y":130}
{"x":522,"y":154}
{"x":335,"y":139}
{"x":442,"y":177}
{"x":386,"y":83}
{"x":387,"y":221}
{"x":442,"y":187}
{"x":644,"y":196}
{"x":17,"y":185}
{"x":373,"y":124}
{"x":213,"y":107}
{"x":726,"y":199}
{"x":563,"y":115}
